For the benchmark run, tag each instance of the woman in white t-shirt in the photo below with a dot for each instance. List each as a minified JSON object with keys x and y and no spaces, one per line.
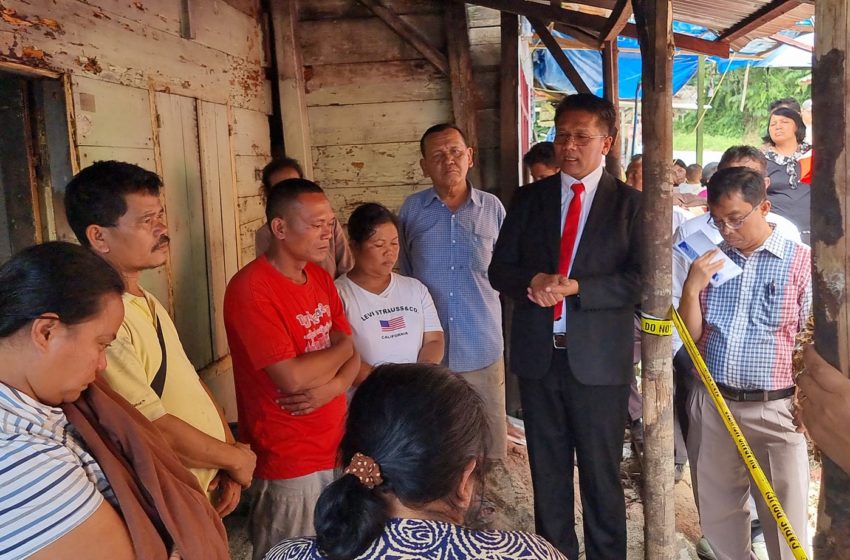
{"x":393,"y":317}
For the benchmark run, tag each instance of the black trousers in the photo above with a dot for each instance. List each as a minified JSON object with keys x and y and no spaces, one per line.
{"x":564,"y":417}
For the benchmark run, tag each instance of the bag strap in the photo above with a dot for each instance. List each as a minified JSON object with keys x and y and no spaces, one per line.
{"x":158,"y":381}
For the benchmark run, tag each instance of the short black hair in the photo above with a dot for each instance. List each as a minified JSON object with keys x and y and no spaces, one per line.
{"x":542,"y":152}
{"x":55,"y":277}
{"x":742,"y":180}
{"x":693,"y":172}
{"x":708,"y":170}
{"x":799,"y":134}
{"x":97,"y":194}
{"x":366,"y":218}
{"x":440,"y":128}
{"x":275,"y":165}
{"x":680,"y":163}
{"x":738,"y":153}
{"x":788,"y":102}
{"x":603,"y":109}
{"x":284,"y":194}
{"x":422,"y":425}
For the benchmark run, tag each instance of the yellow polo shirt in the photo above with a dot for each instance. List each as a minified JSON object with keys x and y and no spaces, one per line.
{"x":133,"y":359}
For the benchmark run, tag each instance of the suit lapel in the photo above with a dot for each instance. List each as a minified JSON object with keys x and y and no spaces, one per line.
{"x":551,"y":213}
{"x":596,"y":220}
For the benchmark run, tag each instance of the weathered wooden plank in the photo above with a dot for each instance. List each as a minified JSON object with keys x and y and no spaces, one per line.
{"x":485,"y":35}
{"x":250,"y":135}
{"x":509,"y":110}
{"x":162,"y":15}
{"x":249,"y":171}
{"x":488,"y":131}
{"x":290,"y":80}
{"x":485,"y":56}
{"x":251,"y":208}
{"x":377,"y":122}
{"x":345,"y":199}
{"x":181,"y":174}
{"x":479,"y":16}
{"x":409,"y":34}
{"x":143,"y":157}
{"x":111,"y":114}
{"x":350,"y":84}
{"x":364,"y":40}
{"x":218,"y":193}
{"x":220,"y":26}
{"x":558,"y":54}
{"x":116,"y":49}
{"x":370,"y":164}
{"x":487,"y":88}
{"x":352,"y":9}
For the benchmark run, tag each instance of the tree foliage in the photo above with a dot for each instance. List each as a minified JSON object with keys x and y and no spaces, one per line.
{"x":725,"y":117}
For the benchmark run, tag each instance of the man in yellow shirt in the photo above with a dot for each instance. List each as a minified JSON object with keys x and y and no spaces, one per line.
{"x":114,"y":209}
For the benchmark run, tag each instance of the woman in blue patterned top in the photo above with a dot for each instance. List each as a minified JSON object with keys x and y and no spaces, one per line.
{"x":414,"y":437}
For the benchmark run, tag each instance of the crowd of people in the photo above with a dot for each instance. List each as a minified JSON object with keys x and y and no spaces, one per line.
{"x":369,"y":369}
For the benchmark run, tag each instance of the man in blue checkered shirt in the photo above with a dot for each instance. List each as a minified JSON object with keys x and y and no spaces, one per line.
{"x":447,"y":237}
{"x":745,"y":329}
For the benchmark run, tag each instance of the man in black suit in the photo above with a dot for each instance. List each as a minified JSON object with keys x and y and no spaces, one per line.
{"x":568,"y":256}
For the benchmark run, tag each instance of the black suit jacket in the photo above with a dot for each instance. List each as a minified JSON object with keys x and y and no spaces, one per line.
{"x":607,"y":267}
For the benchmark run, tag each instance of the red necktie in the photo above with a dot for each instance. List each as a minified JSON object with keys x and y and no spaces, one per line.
{"x":568,"y":237}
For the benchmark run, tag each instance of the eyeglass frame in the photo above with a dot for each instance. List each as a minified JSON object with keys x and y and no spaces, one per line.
{"x":580,"y":140}
{"x":739,"y":222}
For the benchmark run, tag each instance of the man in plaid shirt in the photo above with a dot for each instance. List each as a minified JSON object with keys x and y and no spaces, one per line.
{"x":745,"y":330}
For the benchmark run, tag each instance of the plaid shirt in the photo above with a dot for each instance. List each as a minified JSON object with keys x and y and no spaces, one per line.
{"x":750,"y":322}
{"x":450,"y":252}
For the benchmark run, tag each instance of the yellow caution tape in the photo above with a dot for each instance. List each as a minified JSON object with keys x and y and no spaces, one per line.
{"x":656,"y":326}
{"x":741,"y":442}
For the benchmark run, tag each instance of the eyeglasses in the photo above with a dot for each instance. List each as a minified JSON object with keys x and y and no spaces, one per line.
{"x":733,"y":224}
{"x":578,"y":139}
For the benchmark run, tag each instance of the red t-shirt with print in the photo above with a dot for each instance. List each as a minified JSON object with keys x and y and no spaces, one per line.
{"x":270,"y":318}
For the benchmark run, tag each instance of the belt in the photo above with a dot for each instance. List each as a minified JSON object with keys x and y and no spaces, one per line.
{"x":559,"y":341}
{"x":754,"y":395}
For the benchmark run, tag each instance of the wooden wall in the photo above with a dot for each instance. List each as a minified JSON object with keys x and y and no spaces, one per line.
{"x":485,"y":46}
{"x":182,"y":94}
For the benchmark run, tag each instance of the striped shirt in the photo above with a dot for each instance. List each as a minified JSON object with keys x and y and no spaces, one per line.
{"x":750,"y":322}
{"x":49,"y":484}
{"x":450,"y":252}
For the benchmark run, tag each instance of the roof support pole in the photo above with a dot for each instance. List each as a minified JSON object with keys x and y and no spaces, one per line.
{"x":831,"y":244}
{"x":611,"y":92}
{"x":656,"y":44}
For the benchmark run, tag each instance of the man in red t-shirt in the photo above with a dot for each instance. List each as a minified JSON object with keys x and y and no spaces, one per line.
{"x":293,"y":361}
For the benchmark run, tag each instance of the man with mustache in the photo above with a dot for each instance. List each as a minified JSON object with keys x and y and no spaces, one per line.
{"x":114,"y":209}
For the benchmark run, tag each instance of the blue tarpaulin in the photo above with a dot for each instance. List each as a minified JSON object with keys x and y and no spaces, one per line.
{"x":549,"y":75}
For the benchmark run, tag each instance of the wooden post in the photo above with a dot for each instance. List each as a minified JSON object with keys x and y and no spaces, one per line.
{"x":509,"y":156}
{"x":700,"y":106}
{"x":831,"y":265}
{"x":611,"y":92}
{"x":656,"y":45}
{"x":290,"y":77}
{"x":464,"y":102}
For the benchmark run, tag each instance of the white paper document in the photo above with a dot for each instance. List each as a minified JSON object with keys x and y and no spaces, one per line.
{"x":696,"y":245}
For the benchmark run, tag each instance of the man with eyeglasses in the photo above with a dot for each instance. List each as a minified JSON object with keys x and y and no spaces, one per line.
{"x":447,"y":236}
{"x":568,"y":256}
{"x":745,"y":330}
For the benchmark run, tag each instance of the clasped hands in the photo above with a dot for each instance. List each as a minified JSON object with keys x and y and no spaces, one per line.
{"x":548,"y":290}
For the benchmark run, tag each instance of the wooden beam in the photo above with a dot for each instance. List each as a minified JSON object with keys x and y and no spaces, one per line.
{"x":687,"y":43}
{"x":758,"y":18}
{"x":291,"y":87}
{"x":509,"y":150}
{"x":616,"y":21}
{"x":830,"y":244}
{"x":654,"y":20}
{"x":792,"y":42}
{"x":611,"y":92}
{"x":464,"y":100}
{"x":545,"y":13}
{"x":559,"y":56}
{"x":409,"y":34}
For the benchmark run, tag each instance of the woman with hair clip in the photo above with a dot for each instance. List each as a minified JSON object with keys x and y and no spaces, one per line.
{"x":414,"y":437}
{"x":82,"y":473}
